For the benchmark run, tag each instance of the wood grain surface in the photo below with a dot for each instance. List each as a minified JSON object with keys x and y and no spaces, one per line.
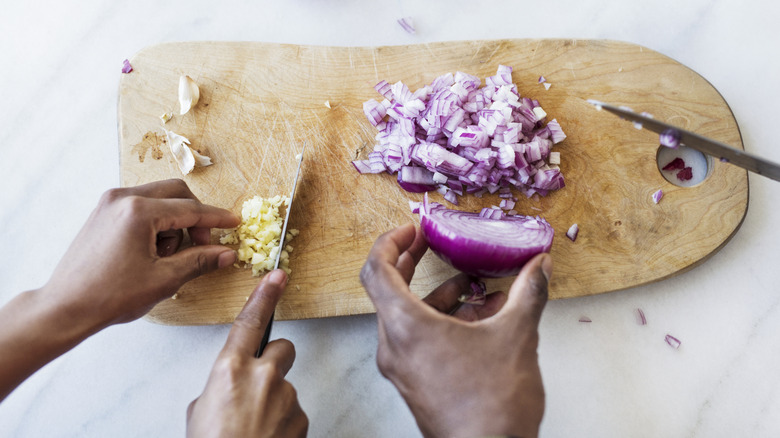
{"x":260,"y":101}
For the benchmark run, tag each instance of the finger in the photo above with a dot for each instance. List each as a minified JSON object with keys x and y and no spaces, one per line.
{"x":199,"y":235}
{"x":248,"y":328}
{"x":409,"y":259}
{"x":195,"y":261}
{"x":282,"y":353}
{"x":168,"y":242}
{"x":172,"y":188}
{"x":445,"y":297}
{"x":178,"y":214}
{"x":191,"y":407}
{"x":528,"y":293}
{"x":385,"y":285}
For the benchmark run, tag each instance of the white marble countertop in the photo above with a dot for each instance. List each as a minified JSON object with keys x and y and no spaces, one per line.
{"x":611,"y":378}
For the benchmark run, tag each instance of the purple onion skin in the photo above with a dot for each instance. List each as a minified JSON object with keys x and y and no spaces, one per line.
{"x":472,"y":256}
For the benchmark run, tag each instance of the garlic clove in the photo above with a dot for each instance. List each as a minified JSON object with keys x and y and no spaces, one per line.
{"x":186,"y":157}
{"x":189,"y":93}
{"x":201,"y":160}
{"x":181,"y":152}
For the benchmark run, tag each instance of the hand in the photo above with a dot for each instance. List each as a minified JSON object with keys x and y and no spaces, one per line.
{"x":464,"y":370}
{"x":122,"y":263}
{"x":247,"y":396}
{"x":125,"y":260}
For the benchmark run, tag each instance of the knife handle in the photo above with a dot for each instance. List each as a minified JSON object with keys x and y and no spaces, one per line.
{"x":266,"y":336}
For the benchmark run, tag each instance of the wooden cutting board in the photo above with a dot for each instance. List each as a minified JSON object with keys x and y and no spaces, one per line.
{"x":260,"y":101}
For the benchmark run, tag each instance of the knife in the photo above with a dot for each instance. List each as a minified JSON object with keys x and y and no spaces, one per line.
{"x":267,"y":333}
{"x":708,"y":146}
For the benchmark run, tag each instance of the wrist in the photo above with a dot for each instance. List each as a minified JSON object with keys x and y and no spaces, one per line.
{"x":67,"y":321}
{"x":35,"y":331}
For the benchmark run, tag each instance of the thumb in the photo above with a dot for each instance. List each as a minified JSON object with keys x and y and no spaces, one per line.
{"x":528,"y":294}
{"x":198,"y":260}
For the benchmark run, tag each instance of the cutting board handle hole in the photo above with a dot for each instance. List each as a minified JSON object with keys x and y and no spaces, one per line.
{"x":694,"y":163}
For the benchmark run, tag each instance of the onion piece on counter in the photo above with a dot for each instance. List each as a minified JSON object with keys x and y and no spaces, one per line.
{"x":573,"y":231}
{"x":657,"y":195}
{"x":408,"y":24}
{"x":482,"y":246}
{"x":640,"y":317}
{"x":672,"y":341}
{"x":585,"y":319}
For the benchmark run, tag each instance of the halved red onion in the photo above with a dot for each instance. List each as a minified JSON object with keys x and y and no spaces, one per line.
{"x":480,"y":245}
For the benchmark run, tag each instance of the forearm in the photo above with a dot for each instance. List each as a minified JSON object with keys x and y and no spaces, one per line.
{"x":35,"y":331}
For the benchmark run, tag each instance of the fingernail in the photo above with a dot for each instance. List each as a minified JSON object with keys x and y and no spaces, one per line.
{"x":277,"y":276}
{"x":226,"y":259}
{"x":547,"y":266}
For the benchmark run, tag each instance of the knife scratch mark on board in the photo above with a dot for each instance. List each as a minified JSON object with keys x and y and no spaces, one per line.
{"x":373,"y":59}
{"x":536,"y":49}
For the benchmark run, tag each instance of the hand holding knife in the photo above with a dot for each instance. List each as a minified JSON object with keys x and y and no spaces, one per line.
{"x":267,"y":333}
{"x":702,"y":144}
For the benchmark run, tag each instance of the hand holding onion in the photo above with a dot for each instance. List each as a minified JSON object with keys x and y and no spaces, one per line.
{"x":463,"y":370}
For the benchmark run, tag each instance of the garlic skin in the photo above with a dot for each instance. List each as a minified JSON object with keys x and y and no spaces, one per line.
{"x":189,"y":93}
{"x":186,"y":157}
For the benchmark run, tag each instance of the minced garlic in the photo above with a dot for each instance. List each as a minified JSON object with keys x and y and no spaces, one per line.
{"x":258,"y":234}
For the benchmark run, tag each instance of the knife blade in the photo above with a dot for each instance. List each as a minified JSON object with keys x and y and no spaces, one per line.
{"x":267,"y":333}
{"x":702,"y":144}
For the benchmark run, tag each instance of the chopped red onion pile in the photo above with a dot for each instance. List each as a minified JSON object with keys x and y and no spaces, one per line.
{"x":685,"y":173}
{"x":126,"y":67}
{"x":672,"y":341}
{"x":459,"y":138}
{"x":574,"y":230}
{"x":477,"y":294}
{"x":486,"y":244}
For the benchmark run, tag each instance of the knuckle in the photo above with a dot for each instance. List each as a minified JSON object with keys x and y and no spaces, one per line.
{"x":229,"y":367}
{"x":269,"y":371}
{"x":112,"y":195}
{"x":384,"y":361}
{"x":202,"y":264}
